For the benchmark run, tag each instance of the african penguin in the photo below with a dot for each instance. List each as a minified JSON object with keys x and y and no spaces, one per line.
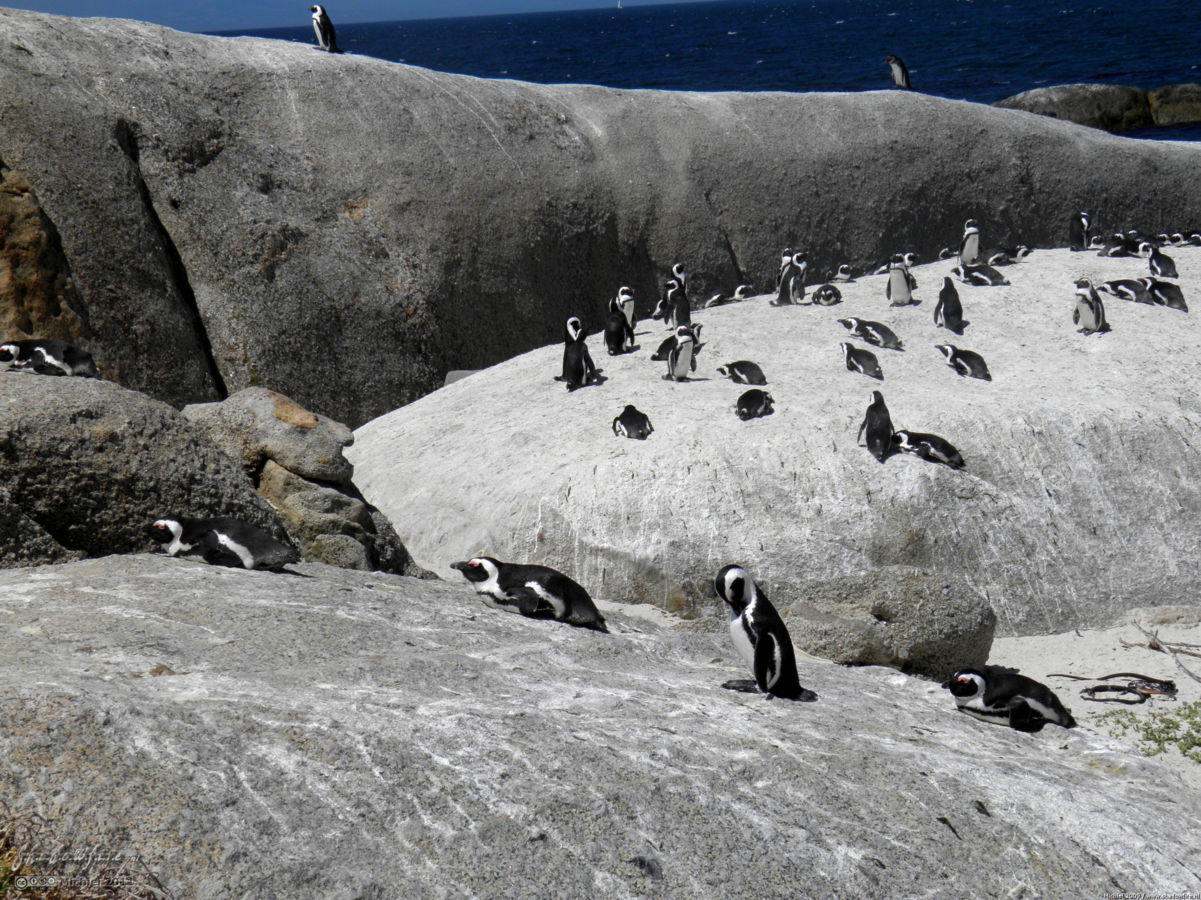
{"x":948,"y":313}
{"x":675,"y":299}
{"x":624,"y":301}
{"x":578,"y":368}
{"x":929,"y":447}
{"x":633,"y":423}
{"x":873,"y":332}
{"x":669,"y":344}
{"x":843,"y":274}
{"x":48,"y":356}
{"x":965,"y":362}
{"x":1165,"y":293}
{"x":760,"y":637}
{"x":979,"y":275}
{"x":682,"y":358}
{"x":1089,"y":313}
{"x":324,"y":29}
{"x":1078,"y":236}
{"x":792,"y":281}
{"x":222,"y":541}
{"x":743,"y":372}
{"x":678,"y":273}
{"x":862,"y":361}
{"x":1161,"y":264}
{"x":1003,"y":697}
{"x":537,"y":592}
{"x":785,"y":261}
{"x":896,"y":290}
{"x":619,"y":336}
{"x":1132,"y":289}
{"x":900,"y":73}
{"x":877,"y":425}
{"x":827,"y":295}
{"x":754,"y":404}
{"x":969,"y":244}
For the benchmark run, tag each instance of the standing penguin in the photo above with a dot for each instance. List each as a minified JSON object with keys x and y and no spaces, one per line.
{"x":675,"y":304}
{"x":324,"y":29}
{"x":900,"y":72}
{"x":760,"y":637}
{"x":633,"y":423}
{"x":682,"y":358}
{"x":969,"y":244}
{"x":792,"y":281}
{"x":1089,"y":313}
{"x":948,"y":313}
{"x":619,"y":333}
{"x":877,"y":423}
{"x":897,"y":289}
{"x":625,"y":302}
{"x":1161,"y":264}
{"x":578,"y":368}
{"x":1078,"y":231}
{"x":538,"y":592}
{"x":1003,"y":697}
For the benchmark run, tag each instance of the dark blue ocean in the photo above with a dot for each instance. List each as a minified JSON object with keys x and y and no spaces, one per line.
{"x":982,"y":51}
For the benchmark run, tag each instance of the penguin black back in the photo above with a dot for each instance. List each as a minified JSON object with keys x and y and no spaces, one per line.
{"x":877,"y":424}
{"x":1004,"y":697}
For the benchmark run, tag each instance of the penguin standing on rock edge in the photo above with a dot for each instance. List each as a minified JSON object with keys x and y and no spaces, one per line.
{"x":900,"y":72}
{"x":324,"y":29}
{"x":760,"y":637}
{"x":578,"y":368}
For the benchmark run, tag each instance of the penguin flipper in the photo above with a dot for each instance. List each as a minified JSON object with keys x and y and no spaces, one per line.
{"x":1024,"y":718}
{"x":769,"y":661}
{"x":529,"y":604}
{"x":862,"y":428}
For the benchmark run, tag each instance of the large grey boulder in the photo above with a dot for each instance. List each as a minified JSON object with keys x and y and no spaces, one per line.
{"x":349,"y":734}
{"x":348,"y":230}
{"x":85,"y":465}
{"x":1108,"y":106}
{"x":1081,"y":497}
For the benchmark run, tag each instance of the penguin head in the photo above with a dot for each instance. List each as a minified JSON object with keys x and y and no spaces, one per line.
{"x":724,"y":371}
{"x":967,"y":684}
{"x":735,"y":587}
{"x":165,"y":530}
{"x":9,"y":352}
{"x":317,"y":10}
{"x":624,"y":293}
{"x":684,"y":334}
{"x":947,"y":350}
{"x":798,"y":258}
{"x":479,"y":568}
{"x":845,"y":347}
{"x":844,"y":271}
{"x":876,"y":398}
{"x":910,"y":258}
{"x":670,"y":287}
{"x":786,"y":254}
{"x":677,"y":271}
{"x":743,"y":291}
{"x":970,"y":226}
{"x":1096,"y":242}
{"x":849,"y":323}
{"x":1145,"y":249}
{"x":1083,"y":286}
{"x":574,"y":329}
{"x":1085,"y":219}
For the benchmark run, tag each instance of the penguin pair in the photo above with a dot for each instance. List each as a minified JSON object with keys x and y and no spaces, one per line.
{"x":1089,"y":313}
{"x":760,"y":637}
{"x":222,"y":542}
{"x":1004,"y":697}
{"x":619,"y":326}
{"x":1145,"y":290}
{"x":324,"y":29}
{"x":898,"y":290}
{"x":673,"y":307}
{"x":882,"y":440}
{"x":873,"y":332}
{"x":537,"y":592}
{"x":791,"y":286}
{"x":48,"y":356}
{"x":578,"y":368}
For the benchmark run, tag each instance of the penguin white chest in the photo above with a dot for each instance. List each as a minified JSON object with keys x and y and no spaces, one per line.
{"x":744,"y":643}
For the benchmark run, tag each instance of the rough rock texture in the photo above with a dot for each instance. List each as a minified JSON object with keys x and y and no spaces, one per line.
{"x":348,"y":230}
{"x":1176,"y":104}
{"x":37,"y":295}
{"x":360,"y":735}
{"x":1081,"y":497}
{"x":899,"y":617}
{"x":85,"y":465}
{"x":294,"y":457}
{"x":256,"y":424}
{"x":1108,"y":106}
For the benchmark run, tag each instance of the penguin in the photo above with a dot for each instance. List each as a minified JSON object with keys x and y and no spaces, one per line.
{"x":827,"y":295}
{"x":909,"y":258}
{"x":760,"y":637}
{"x":619,"y":336}
{"x":929,"y":447}
{"x":578,"y":368}
{"x":1161,"y":264}
{"x":1096,"y":242}
{"x":678,"y":273}
{"x":49,"y":356}
{"x":948,"y":313}
{"x":1004,"y":697}
{"x":792,"y":281}
{"x":843,"y":275}
{"x":633,"y":423}
{"x":682,"y":358}
{"x":900,"y":73}
{"x":537,"y":592}
{"x":676,"y":307}
{"x":873,"y":332}
{"x":669,"y":344}
{"x":785,"y":262}
{"x":1089,"y":313}
{"x":1165,"y":293}
{"x":862,"y":361}
{"x":969,"y":244}
{"x":1078,"y":231}
{"x":754,"y":404}
{"x":1131,"y":289}
{"x":897,"y":289}
{"x":965,"y":362}
{"x":743,"y":291}
{"x":324,"y":29}
{"x":1114,"y":246}
{"x":979,"y":275}
{"x":624,"y":301}
{"x":222,"y":541}
{"x":1005,"y":256}
{"x":740,"y":293}
{"x":743,"y":372}
{"x":877,"y":425}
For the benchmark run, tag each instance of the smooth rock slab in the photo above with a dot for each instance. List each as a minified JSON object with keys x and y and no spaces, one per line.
{"x":354,"y":734}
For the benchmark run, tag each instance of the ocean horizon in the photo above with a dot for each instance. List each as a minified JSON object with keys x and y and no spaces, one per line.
{"x":982,"y":52}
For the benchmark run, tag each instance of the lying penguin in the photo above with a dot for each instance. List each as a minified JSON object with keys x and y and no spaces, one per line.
{"x":222,"y":542}
{"x":538,"y":592}
{"x":1003,"y":697}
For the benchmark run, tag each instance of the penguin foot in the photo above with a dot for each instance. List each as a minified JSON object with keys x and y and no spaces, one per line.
{"x":742,"y":685}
